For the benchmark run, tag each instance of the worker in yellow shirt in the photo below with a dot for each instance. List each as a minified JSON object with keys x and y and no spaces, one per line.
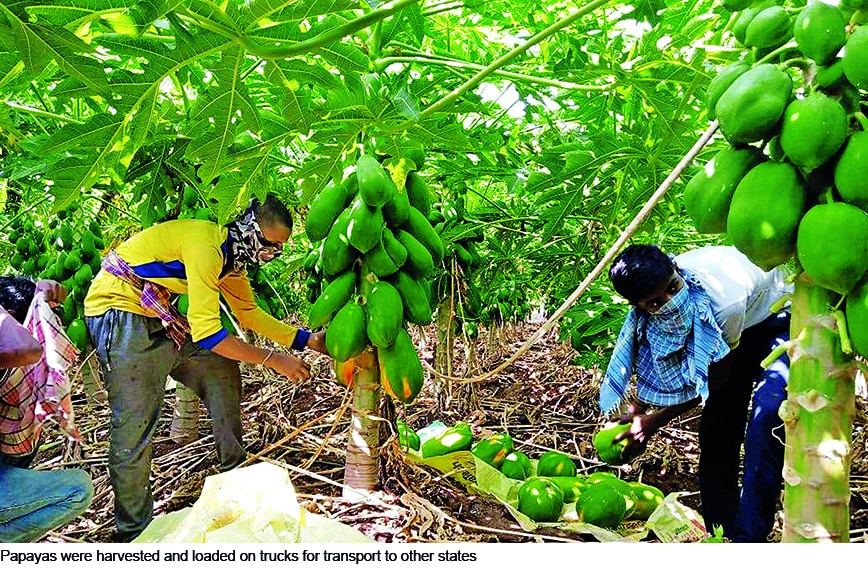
{"x":141,"y":338}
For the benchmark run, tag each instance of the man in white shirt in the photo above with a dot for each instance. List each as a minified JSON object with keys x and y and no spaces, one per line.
{"x":700,"y":325}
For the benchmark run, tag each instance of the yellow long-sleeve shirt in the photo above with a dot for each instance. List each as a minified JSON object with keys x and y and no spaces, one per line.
{"x":189,"y":256}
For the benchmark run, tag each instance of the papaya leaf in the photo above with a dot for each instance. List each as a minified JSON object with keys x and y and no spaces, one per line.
{"x":235,"y":188}
{"x":346,"y":57}
{"x":417,"y":22}
{"x":406,"y":105}
{"x":217,"y":115}
{"x":315,"y":174}
{"x":39,"y":44}
{"x":73,"y":13}
{"x":264,"y":13}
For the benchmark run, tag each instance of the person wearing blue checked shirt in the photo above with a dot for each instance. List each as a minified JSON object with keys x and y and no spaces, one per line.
{"x":699,"y":326}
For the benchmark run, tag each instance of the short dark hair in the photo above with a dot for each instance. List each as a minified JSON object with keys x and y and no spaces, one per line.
{"x":16,"y":295}
{"x":272,"y":211}
{"x":639,"y":270}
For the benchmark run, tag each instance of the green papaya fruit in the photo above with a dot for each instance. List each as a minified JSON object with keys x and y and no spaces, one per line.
{"x":720,"y":83}
{"x":813,"y":130}
{"x":333,"y":297}
{"x":419,"y":226}
{"x":770,"y":28}
{"x":850,"y":178}
{"x":648,"y":498}
{"x":384,"y":314}
{"x":856,"y":312}
{"x":457,"y":437}
{"x":541,"y":500}
{"x":374,"y":181}
{"x":555,"y":464}
{"x":493,"y":449}
{"x":746,"y":16}
{"x":378,"y":261}
{"x":601,"y":505}
{"x":401,"y":374}
{"x":765,"y":211}
{"x":417,"y":192}
{"x":516,"y":465}
{"x":337,"y":254}
{"x":855,"y":58}
{"x":820,"y":31}
{"x":417,"y":310}
{"x":753,"y":105}
{"x":419,"y":263}
{"x":325,"y":209}
{"x":708,"y":193}
{"x":608,"y":450}
{"x":394,"y":248}
{"x":77,"y":333}
{"x":407,"y":436}
{"x":831,"y":76}
{"x":365,"y":228}
{"x":833,"y":245}
{"x":346,"y":336}
{"x":571,"y":486}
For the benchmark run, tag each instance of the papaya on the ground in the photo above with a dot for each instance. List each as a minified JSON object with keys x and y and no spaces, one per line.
{"x":555,"y":464}
{"x":516,"y":465}
{"x":457,"y":437}
{"x":493,"y":449}
{"x":601,"y":505}
{"x":540,"y":499}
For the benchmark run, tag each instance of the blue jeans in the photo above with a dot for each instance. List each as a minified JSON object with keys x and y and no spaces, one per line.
{"x":34,"y":502}
{"x":729,"y":418}
{"x":135,"y":356}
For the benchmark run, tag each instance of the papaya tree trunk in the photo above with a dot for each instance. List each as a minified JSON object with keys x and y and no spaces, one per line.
{"x":818,"y":418}
{"x":444,"y":320}
{"x":361,"y":471}
{"x":185,"y":417}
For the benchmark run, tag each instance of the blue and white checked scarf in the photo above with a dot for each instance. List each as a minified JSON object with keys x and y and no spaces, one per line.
{"x":669,"y":351}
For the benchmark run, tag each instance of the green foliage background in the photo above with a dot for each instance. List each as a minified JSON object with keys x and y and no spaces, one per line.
{"x":554,"y":120}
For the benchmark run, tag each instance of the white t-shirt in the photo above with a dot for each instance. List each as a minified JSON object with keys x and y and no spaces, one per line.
{"x":741,"y":293}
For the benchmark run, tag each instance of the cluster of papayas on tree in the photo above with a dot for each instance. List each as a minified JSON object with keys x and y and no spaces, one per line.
{"x":374,"y":251}
{"x":549,"y":483}
{"x":68,"y":250}
{"x":791,"y":183}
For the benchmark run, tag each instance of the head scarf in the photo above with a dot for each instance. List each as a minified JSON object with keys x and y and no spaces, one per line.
{"x":247,"y":242}
{"x":669,"y":351}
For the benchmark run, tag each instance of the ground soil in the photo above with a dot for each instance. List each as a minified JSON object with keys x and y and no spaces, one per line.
{"x":543,"y":400}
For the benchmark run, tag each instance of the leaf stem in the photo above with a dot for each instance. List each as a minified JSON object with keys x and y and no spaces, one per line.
{"x":386,"y":61}
{"x":511,"y":55}
{"x":41,"y":113}
{"x":325,"y":38}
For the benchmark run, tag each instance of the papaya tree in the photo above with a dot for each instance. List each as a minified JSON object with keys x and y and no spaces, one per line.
{"x":785,"y":188}
{"x":139,"y":111}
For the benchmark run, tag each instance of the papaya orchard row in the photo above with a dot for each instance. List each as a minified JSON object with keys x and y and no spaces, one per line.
{"x":791,"y":183}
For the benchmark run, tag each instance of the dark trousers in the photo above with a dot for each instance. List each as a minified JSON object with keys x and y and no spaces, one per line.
{"x":136,"y":356}
{"x":729,"y":418}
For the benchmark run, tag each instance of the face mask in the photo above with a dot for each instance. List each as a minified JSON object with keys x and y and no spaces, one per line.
{"x":675,"y":305}
{"x":249,"y":246}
